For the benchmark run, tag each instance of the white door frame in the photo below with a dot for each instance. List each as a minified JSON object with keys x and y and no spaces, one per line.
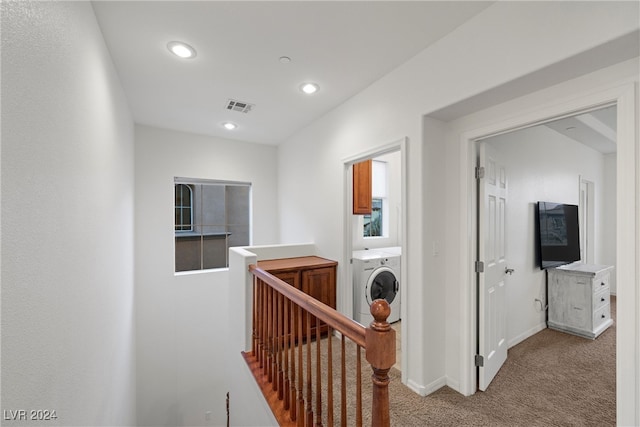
{"x":346,"y":296}
{"x":627,"y":239}
{"x":587,"y":213}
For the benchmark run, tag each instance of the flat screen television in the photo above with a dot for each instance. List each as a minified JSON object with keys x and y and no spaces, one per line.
{"x":558,"y":234}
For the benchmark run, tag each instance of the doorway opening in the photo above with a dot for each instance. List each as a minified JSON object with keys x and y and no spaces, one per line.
{"x":627,"y":330}
{"x":556,"y":161}
{"x":379,"y":235}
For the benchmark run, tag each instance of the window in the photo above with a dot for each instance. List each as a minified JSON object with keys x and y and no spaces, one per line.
{"x":210,"y":217}
{"x":375,"y":224}
{"x":183,"y":208}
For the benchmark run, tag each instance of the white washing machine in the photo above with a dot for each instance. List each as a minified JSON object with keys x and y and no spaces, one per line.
{"x":376,"y":275}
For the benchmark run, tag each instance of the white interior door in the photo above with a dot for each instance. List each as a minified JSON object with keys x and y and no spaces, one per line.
{"x":492,"y":302}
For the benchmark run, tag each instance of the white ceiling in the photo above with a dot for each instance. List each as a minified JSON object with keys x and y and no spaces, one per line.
{"x":342,"y":46}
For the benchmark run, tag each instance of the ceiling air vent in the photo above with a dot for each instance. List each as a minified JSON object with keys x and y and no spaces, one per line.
{"x":235,"y":105}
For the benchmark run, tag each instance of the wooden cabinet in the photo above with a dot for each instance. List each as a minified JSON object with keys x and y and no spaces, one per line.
{"x":362,"y":187}
{"x":312,"y":275}
{"x":579,"y":299}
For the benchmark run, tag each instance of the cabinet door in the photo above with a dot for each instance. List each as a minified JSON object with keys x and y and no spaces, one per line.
{"x":579,"y":303}
{"x":290,"y":277}
{"x":570,"y":302}
{"x":362,"y":182}
{"x":320,"y":283}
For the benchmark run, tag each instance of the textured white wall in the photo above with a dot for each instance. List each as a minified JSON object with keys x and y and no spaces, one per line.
{"x":67,"y":220}
{"x":182,"y":319}
{"x":542,"y":165}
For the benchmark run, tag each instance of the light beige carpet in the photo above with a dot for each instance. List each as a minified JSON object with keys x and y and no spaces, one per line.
{"x":550,"y":379}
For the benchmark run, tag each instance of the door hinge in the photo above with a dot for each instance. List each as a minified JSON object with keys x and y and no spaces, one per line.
{"x":479,"y":267}
{"x":479,"y":360}
{"x":479,"y":172}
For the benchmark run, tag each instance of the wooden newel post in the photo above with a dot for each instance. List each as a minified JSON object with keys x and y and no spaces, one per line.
{"x":381,"y":354}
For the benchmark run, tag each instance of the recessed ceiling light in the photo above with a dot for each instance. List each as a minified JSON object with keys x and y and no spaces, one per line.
{"x":571,"y":128}
{"x":181,"y":50}
{"x":229,"y":125}
{"x":309,"y":88}
{"x":285,"y":59}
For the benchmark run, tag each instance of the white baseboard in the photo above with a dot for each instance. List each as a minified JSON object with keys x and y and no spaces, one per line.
{"x":453,"y":384}
{"x":523,"y":336}
{"x":429,"y":388}
{"x":416,"y":388}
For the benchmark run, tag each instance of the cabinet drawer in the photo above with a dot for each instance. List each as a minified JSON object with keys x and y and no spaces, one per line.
{"x":601,"y":315}
{"x":600,"y":299}
{"x":600,"y":283}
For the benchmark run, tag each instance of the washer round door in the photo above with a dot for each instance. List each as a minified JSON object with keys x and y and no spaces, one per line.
{"x":382,"y":284}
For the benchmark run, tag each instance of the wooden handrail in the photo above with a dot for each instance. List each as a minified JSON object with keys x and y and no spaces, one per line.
{"x":280,"y":310}
{"x":338,"y":321}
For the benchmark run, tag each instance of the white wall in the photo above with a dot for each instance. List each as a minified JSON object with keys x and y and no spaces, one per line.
{"x":68,"y":338}
{"x":542,"y":165}
{"x":467,"y":62}
{"x":182,"y":320}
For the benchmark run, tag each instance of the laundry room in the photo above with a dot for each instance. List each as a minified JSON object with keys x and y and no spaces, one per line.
{"x":377,"y":243}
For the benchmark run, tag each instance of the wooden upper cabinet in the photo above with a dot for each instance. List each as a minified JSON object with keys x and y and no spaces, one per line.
{"x":362,"y":188}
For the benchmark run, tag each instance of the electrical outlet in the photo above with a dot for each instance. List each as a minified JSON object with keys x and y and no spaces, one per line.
{"x":207,"y":416}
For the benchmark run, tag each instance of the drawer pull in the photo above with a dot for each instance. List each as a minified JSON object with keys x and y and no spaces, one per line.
{"x":603,"y":316}
{"x":601,"y":283}
{"x":602,"y":299}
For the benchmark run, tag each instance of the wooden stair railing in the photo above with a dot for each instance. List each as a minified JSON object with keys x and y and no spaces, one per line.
{"x":283,"y":365}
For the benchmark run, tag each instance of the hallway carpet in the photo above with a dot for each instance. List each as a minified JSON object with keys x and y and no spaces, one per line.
{"x":550,"y":379}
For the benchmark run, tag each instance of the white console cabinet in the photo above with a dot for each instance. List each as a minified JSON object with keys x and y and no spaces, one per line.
{"x":579,"y":299}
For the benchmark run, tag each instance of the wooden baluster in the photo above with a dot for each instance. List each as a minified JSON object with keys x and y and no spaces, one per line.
{"x":274,"y":318}
{"x":301,"y":417}
{"x":309,"y":422}
{"x":260,"y":314}
{"x":380,"y":341}
{"x":285,"y":338}
{"x":265,"y":337}
{"x":318,"y":414}
{"x":273,"y":376}
{"x":254,"y":320}
{"x":292,"y":335}
{"x":329,"y":379}
{"x":343,"y":386}
{"x":265,"y":326}
{"x":358,"y":387}
{"x":280,"y":336}
{"x":269,"y":333}
{"x":263,"y":332}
